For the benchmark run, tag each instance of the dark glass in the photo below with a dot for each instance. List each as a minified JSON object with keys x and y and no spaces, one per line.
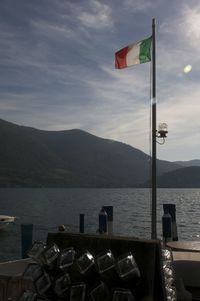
{"x":105,"y":261}
{"x":126,"y":267}
{"x":85,"y":270}
{"x":78,"y":292}
{"x":51,"y":253}
{"x":62,"y":284}
{"x":28,"y":296}
{"x":66,"y":258}
{"x":167,"y":257}
{"x":85,"y":262}
{"x":122,"y":295}
{"x":42,"y":284}
{"x":37,"y":252}
{"x":33,"y":271}
{"x":171,"y":293}
{"x":100,"y":293}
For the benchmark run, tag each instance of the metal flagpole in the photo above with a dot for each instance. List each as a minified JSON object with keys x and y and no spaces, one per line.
{"x":153,"y":161}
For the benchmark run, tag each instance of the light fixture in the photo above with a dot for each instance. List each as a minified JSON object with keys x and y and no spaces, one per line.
{"x":162,"y":132}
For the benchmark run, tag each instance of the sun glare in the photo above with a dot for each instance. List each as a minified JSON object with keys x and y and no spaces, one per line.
{"x":187,"y":68}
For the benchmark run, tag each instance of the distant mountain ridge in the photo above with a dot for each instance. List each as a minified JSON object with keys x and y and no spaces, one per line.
{"x":188,"y":177}
{"x":72,"y":158}
{"x":195,"y":162}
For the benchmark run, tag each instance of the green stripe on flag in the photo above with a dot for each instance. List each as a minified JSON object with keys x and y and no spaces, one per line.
{"x":145,"y":51}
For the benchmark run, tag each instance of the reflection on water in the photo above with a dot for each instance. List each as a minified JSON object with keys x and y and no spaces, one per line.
{"x":48,"y":208}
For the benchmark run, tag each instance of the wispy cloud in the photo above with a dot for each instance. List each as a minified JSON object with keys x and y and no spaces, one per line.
{"x":185,"y":26}
{"x":137,"y":6}
{"x":97,"y":16}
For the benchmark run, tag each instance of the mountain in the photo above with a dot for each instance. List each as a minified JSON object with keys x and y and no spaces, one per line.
{"x":195,"y":162}
{"x":188,"y":177}
{"x":73,"y":158}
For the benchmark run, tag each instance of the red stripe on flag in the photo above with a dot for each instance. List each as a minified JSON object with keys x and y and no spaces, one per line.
{"x":120,"y":58}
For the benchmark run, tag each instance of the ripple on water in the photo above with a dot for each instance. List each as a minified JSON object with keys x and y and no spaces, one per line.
{"x":48,"y":208}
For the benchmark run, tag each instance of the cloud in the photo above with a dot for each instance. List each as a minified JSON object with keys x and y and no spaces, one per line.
{"x":192,"y":22}
{"x":97,"y":16}
{"x":137,"y":6}
{"x":184,"y":27}
{"x":119,"y":109}
{"x":56,"y":31}
{"x":181,"y":112}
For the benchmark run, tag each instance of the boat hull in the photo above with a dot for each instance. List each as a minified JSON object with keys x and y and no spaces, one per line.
{"x":5,"y":220}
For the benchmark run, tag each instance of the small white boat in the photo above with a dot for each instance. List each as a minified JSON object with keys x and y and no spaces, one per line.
{"x":5,"y":220}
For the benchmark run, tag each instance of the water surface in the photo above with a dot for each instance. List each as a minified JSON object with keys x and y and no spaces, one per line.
{"x":48,"y":208}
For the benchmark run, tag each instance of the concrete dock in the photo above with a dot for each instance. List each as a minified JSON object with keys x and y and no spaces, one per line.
{"x":187,"y":267}
{"x":11,"y":282}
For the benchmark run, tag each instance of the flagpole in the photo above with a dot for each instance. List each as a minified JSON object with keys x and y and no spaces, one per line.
{"x":153,"y":161}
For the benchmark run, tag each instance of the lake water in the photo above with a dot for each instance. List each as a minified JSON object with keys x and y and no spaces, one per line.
{"x":48,"y":208}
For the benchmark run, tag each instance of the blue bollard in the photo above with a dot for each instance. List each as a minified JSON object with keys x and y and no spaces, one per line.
{"x":167,"y":227}
{"x":171,"y":209}
{"x":26,"y":238}
{"x":103,"y":221}
{"x":81,"y":223}
{"x":109,"y":211}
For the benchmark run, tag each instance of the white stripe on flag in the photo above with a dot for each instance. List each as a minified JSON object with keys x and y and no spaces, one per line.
{"x":133,"y":55}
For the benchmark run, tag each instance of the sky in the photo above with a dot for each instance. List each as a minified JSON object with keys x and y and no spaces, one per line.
{"x":57,"y":69}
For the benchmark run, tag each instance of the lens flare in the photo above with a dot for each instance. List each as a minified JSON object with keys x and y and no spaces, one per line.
{"x":187,"y":68}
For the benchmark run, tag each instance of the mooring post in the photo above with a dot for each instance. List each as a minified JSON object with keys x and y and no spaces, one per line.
{"x":171,"y":208}
{"x":26,"y":238}
{"x":81,"y":223}
{"x":166,"y":225}
{"x":109,"y":211}
{"x":103,"y":221}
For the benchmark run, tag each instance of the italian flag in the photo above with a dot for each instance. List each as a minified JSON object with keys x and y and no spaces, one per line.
{"x":133,"y":54}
